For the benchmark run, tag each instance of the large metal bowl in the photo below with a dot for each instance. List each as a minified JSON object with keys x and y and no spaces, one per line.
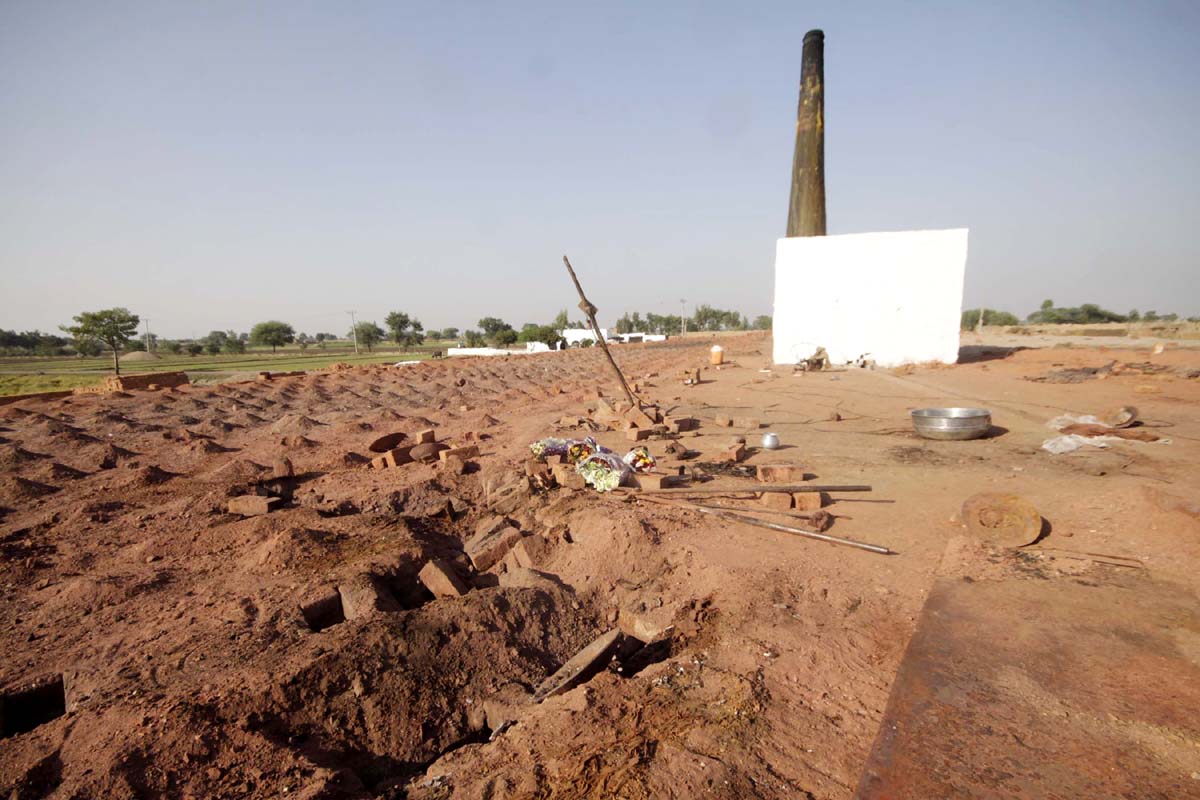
{"x":952,"y":423}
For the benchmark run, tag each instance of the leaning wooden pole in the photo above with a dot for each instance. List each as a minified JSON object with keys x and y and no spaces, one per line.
{"x":587,"y":308}
{"x":806,"y":206}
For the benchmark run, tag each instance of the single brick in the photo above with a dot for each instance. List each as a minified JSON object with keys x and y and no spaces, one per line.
{"x":810,"y":501}
{"x":252,"y":505}
{"x":780,"y":473}
{"x":724,"y":422}
{"x":735,"y":453}
{"x":441,"y":579}
{"x":776,"y":501}
{"x":426,"y":436}
{"x":398,"y":456}
{"x":750,"y":423}
{"x":651,"y":480}
{"x":379,"y":462}
{"x":637,"y":434}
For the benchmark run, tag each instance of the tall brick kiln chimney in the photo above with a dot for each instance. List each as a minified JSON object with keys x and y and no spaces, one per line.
{"x":806,"y":208}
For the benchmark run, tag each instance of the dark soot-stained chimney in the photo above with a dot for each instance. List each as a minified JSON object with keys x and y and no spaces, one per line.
{"x":806,"y":208}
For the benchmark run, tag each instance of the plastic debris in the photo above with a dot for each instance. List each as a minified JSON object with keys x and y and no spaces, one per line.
{"x":1072,"y":442}
{"x":603,"y":471}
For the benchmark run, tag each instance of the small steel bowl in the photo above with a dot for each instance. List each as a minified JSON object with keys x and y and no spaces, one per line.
{"x":770,"y":441}
{"x":952,"y":423}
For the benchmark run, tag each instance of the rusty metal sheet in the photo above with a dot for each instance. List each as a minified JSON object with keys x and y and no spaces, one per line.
{"x":1034,"y":688}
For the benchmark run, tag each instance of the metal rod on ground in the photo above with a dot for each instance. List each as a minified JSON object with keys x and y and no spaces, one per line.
{"x":759,"y":487}
{"x":777,"y":512}
{"x":824,"y":537}
{"x":587,"y":308}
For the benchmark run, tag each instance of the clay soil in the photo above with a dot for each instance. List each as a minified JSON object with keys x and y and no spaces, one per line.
{"x":189,"y":670}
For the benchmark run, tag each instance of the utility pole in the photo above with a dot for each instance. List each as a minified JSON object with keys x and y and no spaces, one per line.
{"x":147,"y":321}
{"x":683,"y":316}
{"x":354,"y":331}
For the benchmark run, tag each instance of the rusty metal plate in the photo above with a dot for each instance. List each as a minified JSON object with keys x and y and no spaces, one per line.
{"x":1007,"y":520}
{"x":1034,"y":688}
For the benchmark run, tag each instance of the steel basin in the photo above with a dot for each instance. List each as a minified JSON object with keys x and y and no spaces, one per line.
{"x":952,"y":423}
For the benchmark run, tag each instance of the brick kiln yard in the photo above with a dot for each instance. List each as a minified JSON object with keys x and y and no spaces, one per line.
{"x":777,"y":666}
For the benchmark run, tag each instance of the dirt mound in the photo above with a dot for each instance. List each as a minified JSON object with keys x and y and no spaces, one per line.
{"x":295,"y":423}
{"x":14,"y":457}
{"x":14,"y":489}
{"x":139,"y":355}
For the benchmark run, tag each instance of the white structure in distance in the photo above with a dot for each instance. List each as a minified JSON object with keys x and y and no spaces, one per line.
{"x":891,"y":298}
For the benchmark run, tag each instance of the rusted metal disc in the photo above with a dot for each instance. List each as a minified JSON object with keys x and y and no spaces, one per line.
{"x":1003,"y":519}
{"x":385,"y":443}
{"x":1121,"y":417}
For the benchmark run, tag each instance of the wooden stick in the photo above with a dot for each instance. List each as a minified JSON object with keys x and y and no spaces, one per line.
{"x":587,"y":308}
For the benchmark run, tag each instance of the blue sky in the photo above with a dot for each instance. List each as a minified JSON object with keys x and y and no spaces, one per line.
{"x":210,"y":165}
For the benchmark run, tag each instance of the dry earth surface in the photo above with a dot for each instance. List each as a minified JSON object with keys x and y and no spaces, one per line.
{"x":189,"y":670}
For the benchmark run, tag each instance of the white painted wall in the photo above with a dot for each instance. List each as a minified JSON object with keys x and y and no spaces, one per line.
{"x":576,"y":335}
{"x":894,"y":297}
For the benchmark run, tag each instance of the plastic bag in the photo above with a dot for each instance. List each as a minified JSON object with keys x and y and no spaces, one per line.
{"x":1072,"y":442}
{"x":549,"y":447}
{"x":639,"y":460}
{"x":603,"y":471}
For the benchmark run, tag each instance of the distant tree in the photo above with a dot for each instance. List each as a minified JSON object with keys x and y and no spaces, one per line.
{"x":492,"y":325}
{"x":243,"y":336}
{"x":503,"y":338}
{"x":302,"y":341}
{"x":708,"y":318}
{"x":113,"y":326}
{"x":234,"y":344}
{"x":473,"y":339}
{"x":194,"y":348}
{"x":1169,"y":317}
{"x":369,"y":334}
{"x":173,"y":347}
{"x":1047,"y":305}
{"x":449,"y":333}
{"x":89,"y":347}
{"x":763,"y":322}
{"x":532,"y":332}
{"x":403,"y":330}
{"x":970,"y":318}
{"x":136,"y":346}
{"x":1133,"y":315}
{"x":214,"y":343}
{"x":1087,"y":313}
{"x":1150,"y":316}
{"x":273,"y":333}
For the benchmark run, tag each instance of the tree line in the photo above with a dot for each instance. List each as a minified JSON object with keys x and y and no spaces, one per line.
{"x":705,"y":318}
{"x":1049,"y":313}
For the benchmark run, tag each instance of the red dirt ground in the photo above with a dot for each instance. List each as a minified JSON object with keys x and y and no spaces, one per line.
{"x":191,"y":672}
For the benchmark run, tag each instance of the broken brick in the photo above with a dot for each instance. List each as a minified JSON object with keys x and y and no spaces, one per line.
{"x":454,"y":465}
{"x":491,"y":542}
{"x":465,"y":452}
{"x":724,"y":422}
{"x":364,"y":595}
{"x":780,"y":473}
{"x":637,"y":434}
{"x":441,"y":579}
{"x":735,"y":453}
{"x":252,"y":505}
{"x":426,"y":436}
{"x":750,"y":423}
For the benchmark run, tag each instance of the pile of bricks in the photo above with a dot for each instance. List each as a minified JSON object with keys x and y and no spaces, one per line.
{"x":427,"y":449}
{"x":788,"y":474}
{"x":150,"y":380}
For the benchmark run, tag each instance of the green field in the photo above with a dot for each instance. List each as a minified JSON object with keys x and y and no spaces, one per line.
{"x":26,"y":374}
